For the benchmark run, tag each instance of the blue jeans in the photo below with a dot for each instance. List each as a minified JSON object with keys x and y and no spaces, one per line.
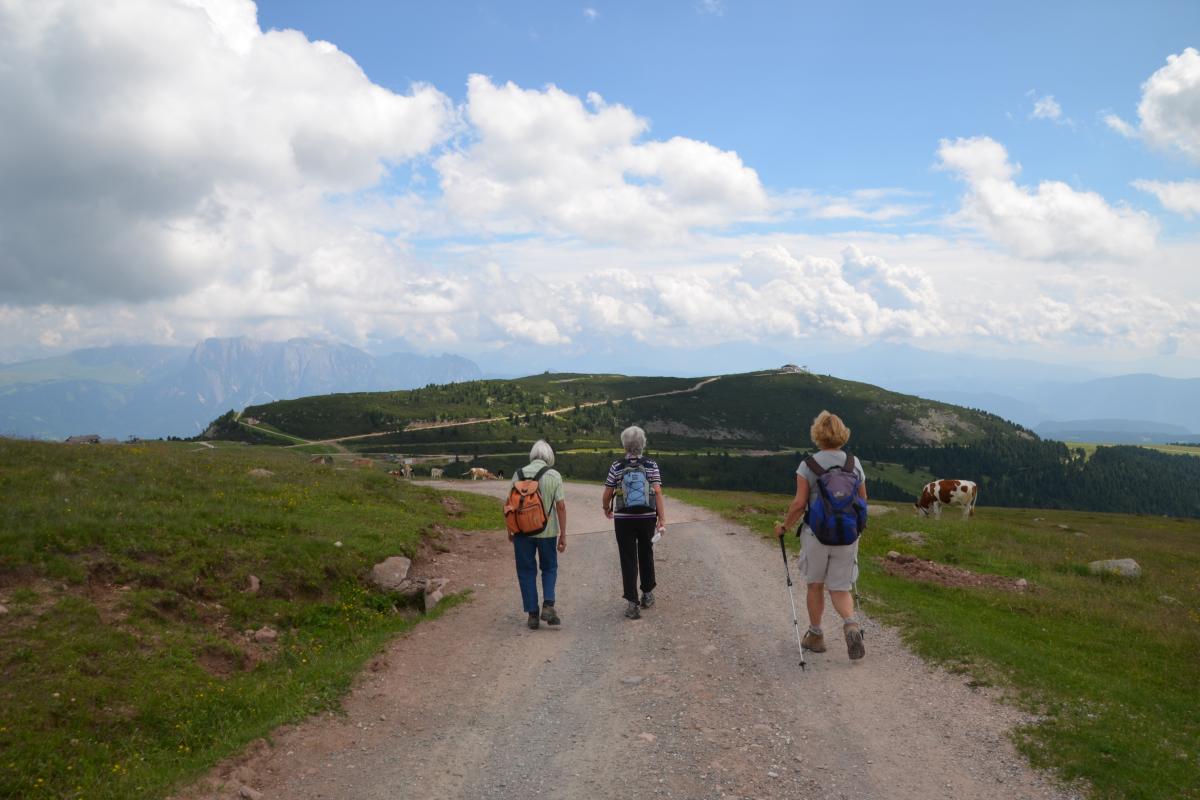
{"x":546,"y":552}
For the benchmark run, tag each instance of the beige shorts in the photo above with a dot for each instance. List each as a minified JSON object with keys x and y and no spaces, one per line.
{"x":834,"y":566}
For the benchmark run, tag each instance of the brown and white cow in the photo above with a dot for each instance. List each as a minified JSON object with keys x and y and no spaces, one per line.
{"x":480,"y":474}
{"x":947,"y":493}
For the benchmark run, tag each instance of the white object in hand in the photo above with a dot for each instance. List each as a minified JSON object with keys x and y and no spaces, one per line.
{"x":658,"y":532}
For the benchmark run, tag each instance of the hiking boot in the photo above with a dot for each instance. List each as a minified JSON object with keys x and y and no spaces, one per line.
{"x":647,"y":599}
{"x":854,"y":641}
{"x":813,"y":641}
{"x":633,"y":611}
{"x":550,"y":616}
{"x":533,"y":621}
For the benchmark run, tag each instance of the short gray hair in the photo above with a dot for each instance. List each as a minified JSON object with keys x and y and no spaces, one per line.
{"x":633,"y":439}
{"x":542,"y":451}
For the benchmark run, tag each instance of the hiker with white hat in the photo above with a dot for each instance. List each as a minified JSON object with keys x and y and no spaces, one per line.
{"x":536,"y":517}
{"x":633,"y":499}
{"x":831,"y":496}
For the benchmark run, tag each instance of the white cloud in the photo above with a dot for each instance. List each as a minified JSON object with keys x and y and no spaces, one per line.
{"x":1053,"y":222}
{"x":543,"y":161}
{"x":591,"y":14}
{"x":1047,"y":107}
{"x":1169,"y":111}
{"x":1182,"y":197}
{"x":1120,"y":126}
{"x":145,"y":140}
{"x":715,"y":8}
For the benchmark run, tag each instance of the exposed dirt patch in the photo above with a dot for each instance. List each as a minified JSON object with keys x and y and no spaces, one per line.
{"x":222,"y":661}
{"x":453,"y":506}
{"x":918,"y":569}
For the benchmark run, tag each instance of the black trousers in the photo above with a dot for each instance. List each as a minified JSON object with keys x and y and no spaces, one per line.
{"x":637,"y":555}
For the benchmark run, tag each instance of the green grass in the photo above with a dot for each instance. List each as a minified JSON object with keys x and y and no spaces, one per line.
{"x":1112,"y":669}
{"x":123,"y":670}
{"x":1172,"y":449}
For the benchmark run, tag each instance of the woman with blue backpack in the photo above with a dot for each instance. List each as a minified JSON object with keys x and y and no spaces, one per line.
{"x":831,"y":496}
{"x":633,"y":499}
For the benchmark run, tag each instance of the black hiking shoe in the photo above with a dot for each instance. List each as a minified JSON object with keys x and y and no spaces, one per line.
{"x":854,"y":641}
{"x":550,"y":616}
{"x":533,"y":621}
{"x":633,"y":611}
{"x":647,"y":599}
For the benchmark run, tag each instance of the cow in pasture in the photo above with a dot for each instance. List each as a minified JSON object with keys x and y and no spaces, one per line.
{"x":947,"y":493}
{"x":481,"y":474}
{"x":436,"y":472}
{"x":406,"y":470}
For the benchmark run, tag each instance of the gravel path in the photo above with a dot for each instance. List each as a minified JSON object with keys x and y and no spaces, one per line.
{"x":701,"y":698}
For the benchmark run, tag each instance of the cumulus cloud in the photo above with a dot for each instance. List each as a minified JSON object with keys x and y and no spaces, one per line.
{"x":1169,"y":111}
{"x":145,"y":140}
{"x":1182,"y":197}
{"x":542,"y":160}
{"x":1053,"y":222}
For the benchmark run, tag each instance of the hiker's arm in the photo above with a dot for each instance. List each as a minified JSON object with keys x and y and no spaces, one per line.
{"x":660,"y":505}
{"x":796,"y":509}
{"x":561,"y":507}
{"x":862,"y":490}
{"x":606,"y":501}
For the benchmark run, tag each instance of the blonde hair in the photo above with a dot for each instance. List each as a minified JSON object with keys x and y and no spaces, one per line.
{"x":828,"y":432}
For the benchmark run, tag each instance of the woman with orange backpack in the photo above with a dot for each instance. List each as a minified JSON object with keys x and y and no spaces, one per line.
{"x":536,"y":518}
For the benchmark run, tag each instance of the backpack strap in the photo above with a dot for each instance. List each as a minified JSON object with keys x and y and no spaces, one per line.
{"x":540,"y":473}
{"x":849,"y":465}
{"x":811,"y":463}
{"x":520,"y":474}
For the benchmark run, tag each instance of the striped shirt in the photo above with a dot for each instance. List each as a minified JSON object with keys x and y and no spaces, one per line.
{"x":613,"y":481}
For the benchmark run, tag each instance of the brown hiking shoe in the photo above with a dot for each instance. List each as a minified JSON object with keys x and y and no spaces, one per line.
{"x":854,"y":642}
{"x":813,"y":641}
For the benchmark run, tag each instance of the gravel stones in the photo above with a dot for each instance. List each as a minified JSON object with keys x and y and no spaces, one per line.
{"x":266,"y":635}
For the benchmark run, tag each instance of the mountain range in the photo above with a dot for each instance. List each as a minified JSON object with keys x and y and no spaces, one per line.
{"x":153,"y":391}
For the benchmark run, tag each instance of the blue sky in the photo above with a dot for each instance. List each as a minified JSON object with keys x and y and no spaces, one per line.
{"x":836,"y":96}
{"x":546,"y":182}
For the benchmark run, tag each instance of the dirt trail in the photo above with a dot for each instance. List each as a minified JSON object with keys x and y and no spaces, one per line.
{"x":701,"y":698}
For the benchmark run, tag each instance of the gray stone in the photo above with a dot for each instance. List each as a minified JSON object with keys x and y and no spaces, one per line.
{"x":1125,"y":567}
{"x":909,"y":536}
{"x":253,"y":584}
{"x":266,"y":635}
{"x":632,"y":680}
{"x":246,"y":793}
{"x":1022,"y":584}
{"x":3,"y":609}
{"x":1165,"y":599}
{"x":892,"y":555}
{"x":260,"y":473}
{"x":434,"y":591}
{"x":390,"y":573}
{"x":878,"y":511}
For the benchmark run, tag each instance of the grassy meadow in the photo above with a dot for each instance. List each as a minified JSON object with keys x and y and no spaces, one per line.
{"x":1110,"y":666}
{"x":123,"y":666}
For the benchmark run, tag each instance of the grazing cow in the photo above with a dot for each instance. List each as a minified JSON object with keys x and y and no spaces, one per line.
{"x":406,"y":470}
{"x":436,"y":472}
{"x":947,"y":493}
{"x":481,"y":474}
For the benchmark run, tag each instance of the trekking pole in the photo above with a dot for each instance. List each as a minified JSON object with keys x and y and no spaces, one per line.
{"x":792,"y":596}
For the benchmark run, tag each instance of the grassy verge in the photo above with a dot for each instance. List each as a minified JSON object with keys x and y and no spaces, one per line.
{"x":124,"y":668}
{"x":1110,"y":666}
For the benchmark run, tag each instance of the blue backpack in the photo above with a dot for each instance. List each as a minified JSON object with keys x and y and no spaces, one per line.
{"x":636,"y":495}
{"x":836,"y":514}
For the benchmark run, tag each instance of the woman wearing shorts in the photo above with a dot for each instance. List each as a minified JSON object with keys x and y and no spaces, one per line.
{"x":832,"y":567}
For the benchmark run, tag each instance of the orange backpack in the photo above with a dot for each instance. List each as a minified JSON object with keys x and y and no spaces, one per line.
{"x":525,"y":513}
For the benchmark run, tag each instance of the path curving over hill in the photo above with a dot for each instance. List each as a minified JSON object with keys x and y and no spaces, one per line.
{"x":700,"y":699}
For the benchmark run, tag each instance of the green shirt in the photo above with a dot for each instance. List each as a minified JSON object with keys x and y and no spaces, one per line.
{"x":551,"y":486}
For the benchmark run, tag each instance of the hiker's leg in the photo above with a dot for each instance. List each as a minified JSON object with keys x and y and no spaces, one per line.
{"x":816,"y":604}
{"x":523,"y":549}
{"x":843,"y":604}
{"x":646,"y":553}
{"x":548,"y":556}
{"x":627,"y":550}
